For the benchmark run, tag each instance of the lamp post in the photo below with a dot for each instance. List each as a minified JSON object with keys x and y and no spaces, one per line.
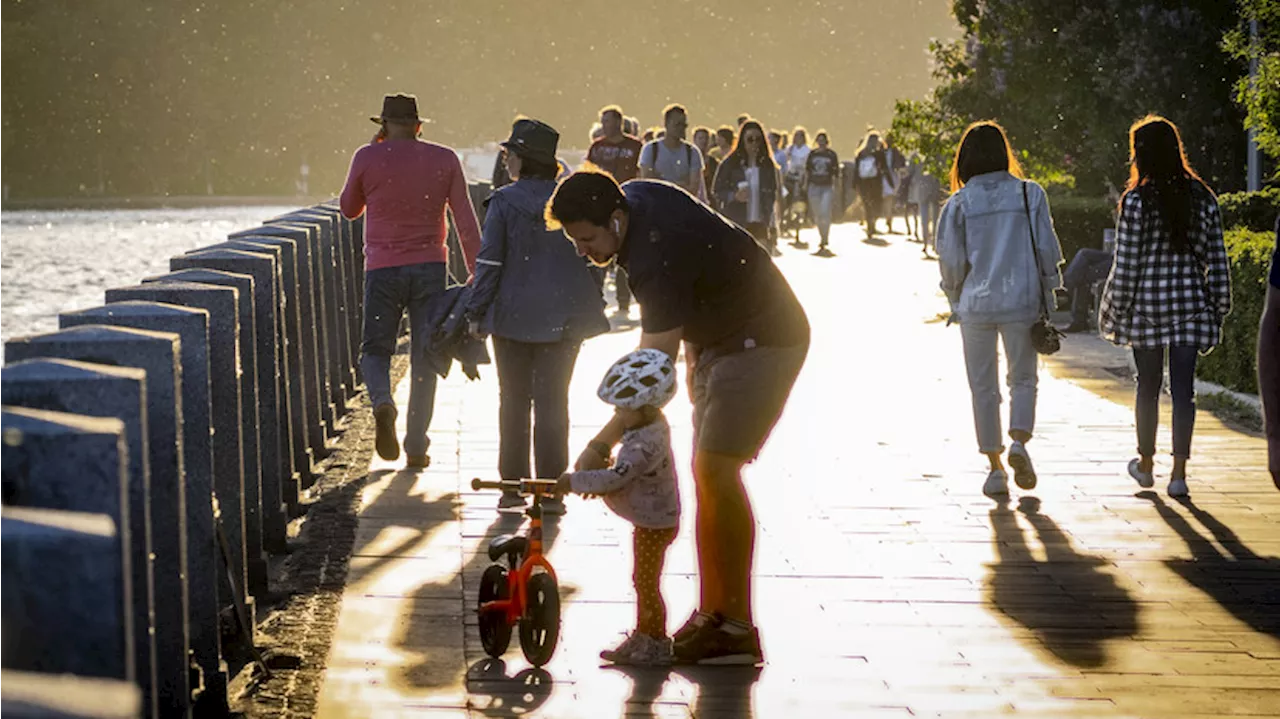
{"x":1254,"y":172}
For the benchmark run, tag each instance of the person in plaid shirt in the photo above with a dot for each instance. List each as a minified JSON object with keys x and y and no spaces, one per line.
{"x":1169,"y":289}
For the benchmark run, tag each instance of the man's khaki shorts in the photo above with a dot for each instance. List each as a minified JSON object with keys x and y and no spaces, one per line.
{"x":738,"y":398}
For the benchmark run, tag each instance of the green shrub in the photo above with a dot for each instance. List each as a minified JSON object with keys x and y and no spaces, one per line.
{"x":1079,"y":222}
{"x":1233,"y":364}
{"x":1251,"y":210}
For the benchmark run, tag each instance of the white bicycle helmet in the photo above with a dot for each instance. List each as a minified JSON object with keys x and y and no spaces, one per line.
{"x":643,"y":378}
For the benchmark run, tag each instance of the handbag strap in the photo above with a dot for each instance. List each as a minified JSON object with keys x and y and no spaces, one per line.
{"x":1035,"y":251}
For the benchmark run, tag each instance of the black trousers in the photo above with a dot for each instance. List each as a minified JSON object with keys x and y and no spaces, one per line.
{"x":534,"y":376}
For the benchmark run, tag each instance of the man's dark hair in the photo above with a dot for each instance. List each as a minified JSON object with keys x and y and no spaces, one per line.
{"x":742,"y":119}
{"x":585,"y":195}
{"x":702,"y":128}
{"x":727,"y":133}
{"x":616,"y":110}
{"x":671,"y":109}
{"x":536,"y":169}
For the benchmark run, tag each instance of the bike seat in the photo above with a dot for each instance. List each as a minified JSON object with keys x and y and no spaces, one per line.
{"x":507,"y":544}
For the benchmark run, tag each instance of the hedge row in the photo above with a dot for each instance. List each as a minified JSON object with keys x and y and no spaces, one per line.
{"x":1251,"y":210}
{"x":1233,"y":363}
{"x":1080,"y":221}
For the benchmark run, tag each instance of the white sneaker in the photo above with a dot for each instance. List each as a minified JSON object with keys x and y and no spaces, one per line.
{"x":1024,"y":474}
{"x":997,"y":484}
{"x":1146,"y":480}
{"x":1178,"y":488}
{"x":640,"y":649}
{"x":510,"y":499}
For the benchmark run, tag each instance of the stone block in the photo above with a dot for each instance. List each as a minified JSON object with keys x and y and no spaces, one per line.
{"x":273,"y":410}
{"x":290,"y":340}
{"x":327,"y":303}
{"x":116,"y":392}
{"x":74,"y":463}
{"x":330,"y":247}
{"x":158,"y":354}
{"x":352,"y":259}
{"x":224,"y":385}
{"x":191,"y":324}
{"x":42,"y":696}
{"x":315,"y":368}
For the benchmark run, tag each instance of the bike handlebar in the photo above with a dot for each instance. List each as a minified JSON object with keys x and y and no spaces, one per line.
{"x":525,"y":486}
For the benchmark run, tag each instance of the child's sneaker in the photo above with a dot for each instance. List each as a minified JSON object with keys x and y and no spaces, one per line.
{"x":640,"y":649}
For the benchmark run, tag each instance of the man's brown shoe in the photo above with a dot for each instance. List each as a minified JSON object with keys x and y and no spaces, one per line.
{"x":417,"y":461}
{"x":712,"y":644}
{"x":384,"y":417}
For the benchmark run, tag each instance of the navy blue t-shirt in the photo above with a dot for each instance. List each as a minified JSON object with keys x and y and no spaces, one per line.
{"x":692,"y":268}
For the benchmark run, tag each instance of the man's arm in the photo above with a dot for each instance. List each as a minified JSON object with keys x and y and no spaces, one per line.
{"x":648,"y":160}
{"x":352,"y":200}
{"x":464,"y":215}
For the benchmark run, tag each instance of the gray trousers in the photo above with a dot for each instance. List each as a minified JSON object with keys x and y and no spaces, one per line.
{"x":981,"y":359}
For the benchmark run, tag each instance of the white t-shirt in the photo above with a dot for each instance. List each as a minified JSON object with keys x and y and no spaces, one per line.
{"x":796,"y":159}
{"x":681,"y":166}
{"x":754,"y":210}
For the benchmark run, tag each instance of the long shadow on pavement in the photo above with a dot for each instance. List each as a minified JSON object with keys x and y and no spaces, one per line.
{"x":1242,"y":582}
{"x":721,"y":691}
{"x":391,"y":505}
{"x":1068,"y":601}
{"x":431,"y":629}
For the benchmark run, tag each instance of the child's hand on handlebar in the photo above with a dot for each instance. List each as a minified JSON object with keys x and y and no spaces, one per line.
{"x":563,"y":485}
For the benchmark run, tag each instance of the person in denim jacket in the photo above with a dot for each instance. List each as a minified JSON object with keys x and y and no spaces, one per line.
{"x":991,"y":278}
{"x":538,"y":300}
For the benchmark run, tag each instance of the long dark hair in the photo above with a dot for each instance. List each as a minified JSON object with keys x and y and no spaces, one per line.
{"x":1158,"y":169}
{"x":866,"y":143}
{"x":765,"y":155}
{"x":983,"y":148}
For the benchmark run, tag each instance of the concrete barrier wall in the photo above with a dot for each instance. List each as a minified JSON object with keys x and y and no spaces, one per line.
{"x":195,"y":408}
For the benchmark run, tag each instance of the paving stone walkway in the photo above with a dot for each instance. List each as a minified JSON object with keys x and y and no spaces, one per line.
{"x":887,"y":585}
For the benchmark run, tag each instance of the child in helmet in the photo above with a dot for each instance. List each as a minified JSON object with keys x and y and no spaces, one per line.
{"x":641,"y":488}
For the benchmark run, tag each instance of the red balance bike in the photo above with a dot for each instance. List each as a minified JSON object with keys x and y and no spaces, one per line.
{"x":516,"y":594}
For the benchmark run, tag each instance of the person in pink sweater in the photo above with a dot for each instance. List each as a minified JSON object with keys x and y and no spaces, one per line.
{"x":403,"y":185}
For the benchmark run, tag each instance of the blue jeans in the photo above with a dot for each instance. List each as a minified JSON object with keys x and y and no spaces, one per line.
{"x":388,"y":292}
{"x":1182,"y":378}
{"x":820,"y":207}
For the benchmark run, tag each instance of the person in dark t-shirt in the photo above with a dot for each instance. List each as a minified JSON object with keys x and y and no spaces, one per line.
{"x":701,"y":279}
{"x":821,"y":173}
{"x":618,"y":154}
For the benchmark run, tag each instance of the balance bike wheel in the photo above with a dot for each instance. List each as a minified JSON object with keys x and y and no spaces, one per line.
{"x":540,"y":626}
{"x":495,"y":633}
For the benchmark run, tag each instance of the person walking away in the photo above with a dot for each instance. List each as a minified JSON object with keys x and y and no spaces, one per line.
{"x":748,"y":187}
{"x":537,"y":299}
{"x":926,"y":194}
{"x":745,"y":339}
{"x":872,"y":167}
{"x":1169,"y":290}
{"x":1269,"y":363}
{"x":821,"y":175}
{"x":999,"y":256}
{"x":672,"y":159}
{"x":403,"y":185}
{"x":618,"y":154}
{"x":640,"y":487}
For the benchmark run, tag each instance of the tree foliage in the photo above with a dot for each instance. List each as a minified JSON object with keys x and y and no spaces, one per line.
{"x":1259,"y":96}
{"x":1066,"y":79}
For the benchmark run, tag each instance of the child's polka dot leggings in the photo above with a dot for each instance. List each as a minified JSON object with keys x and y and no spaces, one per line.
{"x":650,"y":547}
